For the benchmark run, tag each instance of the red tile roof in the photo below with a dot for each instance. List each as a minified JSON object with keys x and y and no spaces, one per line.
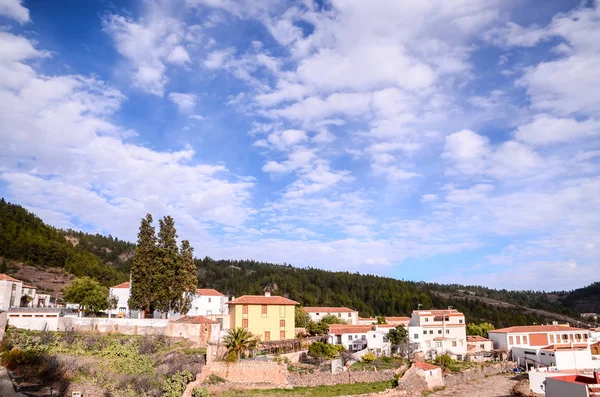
{"x":262,"y":300}
{"x":477,"y":338}
{"x":195,"y":320}
{"x":208,"y":292}
{"x":339,"y":329}
{"x":28,"y":286}
{"x":328,"y":310}
{"x":396,"y":319}
{"x":566,"y":346}
{"x":535,"y":328}
{"x":425,"y":366}
{"x":8,"y":278}
{"x":448,"y":312}
{"x":123,"y":285}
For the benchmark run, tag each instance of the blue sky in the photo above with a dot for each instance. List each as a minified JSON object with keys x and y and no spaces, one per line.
{"x":433,"y":140}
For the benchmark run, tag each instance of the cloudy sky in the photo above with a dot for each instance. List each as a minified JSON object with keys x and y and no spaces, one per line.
{"x":450,"y":141}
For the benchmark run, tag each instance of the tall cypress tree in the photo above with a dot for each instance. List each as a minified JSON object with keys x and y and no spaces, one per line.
{"x":169,"y":262}
{"x":144,"y":269}
{"x":187,"y":279}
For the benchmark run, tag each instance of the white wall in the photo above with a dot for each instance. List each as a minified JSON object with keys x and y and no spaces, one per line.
{"x":537,"y":380}
{"x":558,"y":388}
{"x":500,"y":340}
{"x":122,"y":306}
{"x":6,"y":291}
{"x":348,"y":317}
{"x":34,"y":321}
{"x":203,"y":305}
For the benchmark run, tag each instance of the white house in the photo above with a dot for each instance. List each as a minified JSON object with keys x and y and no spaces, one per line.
{"x":476,"y":344}
{"x":348,"y":315}
{"x":432,"y":374}
{"x":390,"y":320}
{"x":10,"y":292}
{"x":360,"y":337}
{"x":573,"y":386}
{"x":208,"y":301}
{"x":122,"y":293}
{"x":439,"y":332}
{"x":561,"y":357}
{"x":536,"y":336}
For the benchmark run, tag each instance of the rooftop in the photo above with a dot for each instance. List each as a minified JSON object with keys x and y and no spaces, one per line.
{"x":37,"y":310}
{"x":477,"y":338}
{"x":388,"y":319}
{"x":328,"y":310}
{"x":123,"y":285}
{"x":262,"y":300}
{"x":195,"y":320}
{"x":425,"y":366}
{"x":208,"y":292}
{"x":339,"y":329}
{"x":535,"y":328}
{"x":445,"y":312}
{"x":566,"y":347}
{"x":28,"y":286}
{"x":8,"y":278}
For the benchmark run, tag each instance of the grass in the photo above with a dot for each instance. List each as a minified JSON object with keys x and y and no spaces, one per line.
{"x":318,"y":391}
{"x":381,"y":363}
{"x":428,"y":392}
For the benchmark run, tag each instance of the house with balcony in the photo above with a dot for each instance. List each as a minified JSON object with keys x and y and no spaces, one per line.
{"x":14,"y":293}
{"x":356,"y":338}
{"x":348,"y":315}
{"x":535,"y":336}
{"x":271,"y":318}
{"x":439,"y":332}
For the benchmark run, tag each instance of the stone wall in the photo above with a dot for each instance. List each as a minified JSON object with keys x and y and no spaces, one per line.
{"x":325,"y":378}
{"x":267,"y":372}
{"x":479,"y":372}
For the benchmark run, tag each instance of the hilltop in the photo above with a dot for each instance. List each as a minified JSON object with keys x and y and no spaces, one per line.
{"x":37,"y":251}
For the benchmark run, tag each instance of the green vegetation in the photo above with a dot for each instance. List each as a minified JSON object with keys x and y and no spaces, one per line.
{"x":239,"y":340}
{"x":479,"y":329}
{"x":319,"y":391}
{"x":368,"y":358}
{"x":302,"y":318}
{"x":379,"y":364}
{"x":381,"y":320}
{"x":175,"y":385}
{"x":214,"y":380}
{"x":200,"y":392}
{"x":24,"y":237}
{"x":89,"y":294}
{"x":322,"y":350}
{"x":332,"y":319}
{"x":317,"y":328}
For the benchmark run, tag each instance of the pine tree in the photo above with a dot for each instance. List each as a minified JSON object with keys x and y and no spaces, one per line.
{"x":187,"y":279}
{"x":167,"y":290}
{"x":144,"y":269}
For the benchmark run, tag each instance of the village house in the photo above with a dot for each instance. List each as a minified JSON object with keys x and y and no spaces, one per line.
{"x":479,"y":348}
{"x":271,"y":318}
{"x":13,"y":293}
{"x":205,"y":302}
{"x":431,"y":373}
{"x":559,"y":357}
{"x":506,"y":339}
{"x":389,"y":320}
{"x":355,"y":338}
{"x":573,"y":386}
{"x":348,"y":315}
{"x":439,"y":332}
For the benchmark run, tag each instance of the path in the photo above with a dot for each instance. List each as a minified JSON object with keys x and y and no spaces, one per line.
{"x":6,"y":387}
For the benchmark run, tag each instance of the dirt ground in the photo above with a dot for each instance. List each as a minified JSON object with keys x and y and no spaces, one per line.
{"x":494,"y":386}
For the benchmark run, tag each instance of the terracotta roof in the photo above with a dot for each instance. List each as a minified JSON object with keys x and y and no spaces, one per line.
{"x":566,"y":346}
{"x":195,"y":320}
{"x":262,"y":300}
{"x":28,"y":286}
{"x":123,"y":285}
{"x":328,"y":310}
{"x":8,"y":278}
{"x":442,"y":338}
{"x":448,"y":312}
{"x":208,"y":292}
{"x":535,"y":328}
{"x":367,"y":319}
{"x":425,"y":366}
{"x":397,"y":319}
{"x":477,"y":338}
{"x":339,"y":329}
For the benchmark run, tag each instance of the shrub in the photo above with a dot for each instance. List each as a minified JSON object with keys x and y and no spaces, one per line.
{"x":368,"y":358}
{"x":445,"y":360}
{"x":214,"y":380}
{"x":199,"y":392}
{"x":231,"y":357}
{"x":176,"y":384}
{"x":320,"y":350}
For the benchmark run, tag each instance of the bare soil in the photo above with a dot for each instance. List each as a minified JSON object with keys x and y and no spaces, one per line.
{"x":493,"y":386}
{"x":46,"y":280}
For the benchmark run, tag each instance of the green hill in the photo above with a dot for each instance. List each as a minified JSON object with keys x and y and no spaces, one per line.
{"x":24,"y":237}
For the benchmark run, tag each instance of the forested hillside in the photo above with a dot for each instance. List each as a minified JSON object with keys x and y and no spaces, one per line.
{"x":24,"y":237}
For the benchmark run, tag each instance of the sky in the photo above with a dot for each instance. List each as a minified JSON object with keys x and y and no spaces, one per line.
{"x":445,"y":141}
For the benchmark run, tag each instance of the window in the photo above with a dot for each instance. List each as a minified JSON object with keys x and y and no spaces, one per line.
{"x":460,"y":321}
{"x":430,"y":332}
{"x":447,"y":331}
{"x":349,"y":315}
{"x":454,"y":343}
{"x":244,"y":323}
{"x":439,"y":331}
{"x":428,"y":344}
{"x":425,"y":332}
{"x":374,"y":336}
{"x":349,"y":337}
{"x":339,"y":315}
{"x":416,"y":336}
{"x":281,"y":335}
{"x":245,"y":309}
{"x":510,"y":340}
{"x":363,"y":337}
{"x":524,"y":340}
{"x":281,"y":311}
{"x":518,"y":340}
{"x":438,"y":344}
{"x":282,"y":323}
{"x":446,"y":318}
{"x":264,"y":309}
{"x":208,"y":300}
{"x":426,"y":319}
{"x":565,"y":337}
{"x":267,"y":336}
{"x":578,"y":336}
{"x":317,"y":314}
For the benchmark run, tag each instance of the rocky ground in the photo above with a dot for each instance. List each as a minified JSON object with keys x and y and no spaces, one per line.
{"x":493,"y":386}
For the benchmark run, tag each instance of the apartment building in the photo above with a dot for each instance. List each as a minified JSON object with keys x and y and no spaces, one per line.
{"x":269,"y":317}
{"x":536,"y":336}
{"x":360,"y":337}
{"x":348,"y":315}
{"x":439,"y":332}
{"x":477,"y":344}
{"x":557,"y":357}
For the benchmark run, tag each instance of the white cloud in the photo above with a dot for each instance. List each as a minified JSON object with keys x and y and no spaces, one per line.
{"x":429,"y":198}
{"x":15,"y":10}
{"x":217,"y":59}
{"x":185,"y":102}
{"x":546,"y":130}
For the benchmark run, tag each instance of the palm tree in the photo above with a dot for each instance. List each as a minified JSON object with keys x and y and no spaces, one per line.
{"x":239,"y":340}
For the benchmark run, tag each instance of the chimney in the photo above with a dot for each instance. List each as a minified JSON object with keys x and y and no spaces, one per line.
{"x":233,"y":298}
{"x":267,"y":293}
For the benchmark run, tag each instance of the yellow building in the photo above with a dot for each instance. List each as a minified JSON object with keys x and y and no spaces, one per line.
{"x":268,"y":317}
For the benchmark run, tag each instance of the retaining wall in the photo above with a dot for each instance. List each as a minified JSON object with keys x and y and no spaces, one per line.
{"x":478,"y":372}
{"x":250,"y":372}
{"x":325,"y":378}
